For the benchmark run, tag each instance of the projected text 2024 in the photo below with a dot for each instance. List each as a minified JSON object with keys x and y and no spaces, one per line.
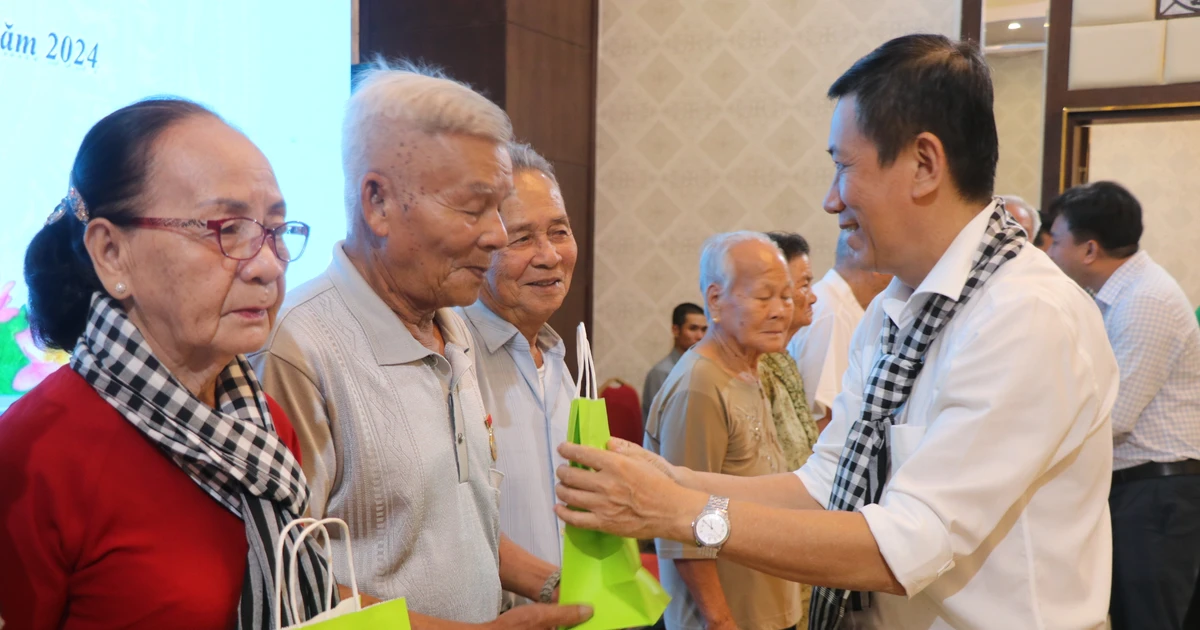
{"x":63,"y":48}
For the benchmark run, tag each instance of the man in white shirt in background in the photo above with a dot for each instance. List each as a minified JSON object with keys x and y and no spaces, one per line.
{"x":1155,"y":499}
{"x":688,"y":326}
{"x":822,"y":349}
{"x":520,"y":359}
{"x":963,"y":482}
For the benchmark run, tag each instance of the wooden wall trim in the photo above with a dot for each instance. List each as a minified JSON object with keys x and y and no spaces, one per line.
{"x":1130,"y":96}
{"x":1163,"y":99}
{"x":590,"y":238}
{"x":1058,"y":62}
{"x":972,"y":21}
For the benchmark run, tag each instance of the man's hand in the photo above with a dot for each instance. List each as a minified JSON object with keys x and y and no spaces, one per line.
{"x":541,"y":617}
{"x":634,"y":451}
{"x":624,"y":494}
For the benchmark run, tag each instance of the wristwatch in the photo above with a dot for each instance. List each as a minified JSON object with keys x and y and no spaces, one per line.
{"x":711,"y":527}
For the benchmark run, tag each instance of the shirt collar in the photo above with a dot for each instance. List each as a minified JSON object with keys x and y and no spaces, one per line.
{"x":497,"y":332}
{"x":389,"y":338}
{"x":949,"y":275}
{"x":1122,"y":278}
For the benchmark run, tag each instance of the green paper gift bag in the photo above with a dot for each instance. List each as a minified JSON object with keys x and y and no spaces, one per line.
{"x":349,"y":613}
{"x":602,"y":570}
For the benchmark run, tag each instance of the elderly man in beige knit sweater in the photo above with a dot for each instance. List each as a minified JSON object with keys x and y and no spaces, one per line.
{"x":377,"y":373}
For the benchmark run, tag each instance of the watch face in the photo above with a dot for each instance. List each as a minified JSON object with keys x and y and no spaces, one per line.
{"x":712,"y":529}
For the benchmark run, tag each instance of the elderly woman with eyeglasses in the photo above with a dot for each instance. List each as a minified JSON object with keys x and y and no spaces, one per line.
{"x":145,"y":484}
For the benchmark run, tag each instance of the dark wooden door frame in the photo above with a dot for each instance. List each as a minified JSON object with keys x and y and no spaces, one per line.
{"x":1077,"y":123}
{"x":972,"y":21}
{"x":1064,"y":106}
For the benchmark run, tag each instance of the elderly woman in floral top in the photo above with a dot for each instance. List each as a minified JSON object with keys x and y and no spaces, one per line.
{"x":794,"y":424}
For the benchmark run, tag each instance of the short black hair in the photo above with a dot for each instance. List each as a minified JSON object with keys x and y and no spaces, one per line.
{"x":109,"y":173}
{"x":1104,"y":212}
{"x":1044,"y":232}
{"x":920,"y":83}
{"x":679,"y":315}
{"x":791,"y":244}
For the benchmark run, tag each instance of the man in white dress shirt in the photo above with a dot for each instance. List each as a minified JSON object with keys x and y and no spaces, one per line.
{"x":520,"y":359}
{"x":822,"y":349}
{"x":376,"y":371}
{"x":1155,"y":498}
{"x":963,"y":482}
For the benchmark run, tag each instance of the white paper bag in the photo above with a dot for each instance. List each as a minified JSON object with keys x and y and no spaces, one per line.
{"x":312,"y":526}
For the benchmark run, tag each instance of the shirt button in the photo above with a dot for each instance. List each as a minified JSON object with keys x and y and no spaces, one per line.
{"x":460,"y":438}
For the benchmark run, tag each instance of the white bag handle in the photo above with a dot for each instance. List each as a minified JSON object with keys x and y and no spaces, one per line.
{"x":585,"y":385}
{"x":311,"y":525}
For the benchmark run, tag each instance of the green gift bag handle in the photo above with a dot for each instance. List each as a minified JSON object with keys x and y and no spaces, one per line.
{"x":598,"y":569}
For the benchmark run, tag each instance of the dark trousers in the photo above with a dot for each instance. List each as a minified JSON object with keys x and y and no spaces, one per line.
{"x":1156,"y":552}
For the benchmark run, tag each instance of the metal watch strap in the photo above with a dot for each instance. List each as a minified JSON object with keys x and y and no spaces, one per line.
{"x":547,"y":594}
{"x":715,"y":505}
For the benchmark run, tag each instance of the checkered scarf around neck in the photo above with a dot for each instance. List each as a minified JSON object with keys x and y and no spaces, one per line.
{"x":231,"y":452}
{"x":863,"y":468}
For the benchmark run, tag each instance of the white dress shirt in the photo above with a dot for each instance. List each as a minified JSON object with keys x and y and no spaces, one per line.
{"x":528,"y":424}
{"x":822,"y":349}
{"x":1154,"y":335}
{"x":995,"y":511}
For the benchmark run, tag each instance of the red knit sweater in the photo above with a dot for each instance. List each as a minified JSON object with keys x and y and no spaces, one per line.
{"x":99,"y":529}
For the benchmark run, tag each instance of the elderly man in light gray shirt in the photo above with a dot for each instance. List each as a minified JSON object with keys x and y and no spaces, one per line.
{"x":376,"y":371}
{"x":519,"y":359}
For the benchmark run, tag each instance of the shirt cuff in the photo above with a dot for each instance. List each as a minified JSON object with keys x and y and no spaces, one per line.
{"x":817,"y":488}
{"x":912,"y":540}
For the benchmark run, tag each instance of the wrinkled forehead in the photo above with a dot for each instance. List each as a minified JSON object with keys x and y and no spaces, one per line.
{"x":754,"y":262}
{"x":203,"y":158}
{"x":436,"y":161}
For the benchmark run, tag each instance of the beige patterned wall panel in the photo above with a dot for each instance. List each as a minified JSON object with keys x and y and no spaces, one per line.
{"x":1117,"y":55}
{"x":1091,"y":12}
{"x":1182,"y":63}
{"x":1019,"y":81}
{"x":1157,"y":163}
{"x":712,"y":116}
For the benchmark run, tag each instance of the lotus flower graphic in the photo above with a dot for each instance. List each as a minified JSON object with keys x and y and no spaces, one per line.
{"x":7,"y":312}
{"x":42,"y":363}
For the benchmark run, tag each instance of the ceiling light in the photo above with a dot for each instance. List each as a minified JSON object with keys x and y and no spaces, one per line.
{"x":1012,"y":26}
{"x":1046,"y":25}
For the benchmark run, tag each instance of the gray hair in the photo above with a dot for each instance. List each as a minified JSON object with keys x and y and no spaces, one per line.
{"x":1013,"y":200}
{"x":716,"y":268}
{"x":419,"y":96}
{"x":525,"y":158}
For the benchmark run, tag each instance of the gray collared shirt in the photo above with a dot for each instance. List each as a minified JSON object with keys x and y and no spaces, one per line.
{"x":655,"y":379}
{"x":529,"y":426}
{"x":394,"y":443}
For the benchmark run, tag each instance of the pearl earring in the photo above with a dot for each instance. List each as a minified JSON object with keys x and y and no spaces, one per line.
{"x":120,"y":288}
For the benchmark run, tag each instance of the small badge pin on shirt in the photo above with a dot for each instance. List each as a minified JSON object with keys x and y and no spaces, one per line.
{"x":487,"y":422}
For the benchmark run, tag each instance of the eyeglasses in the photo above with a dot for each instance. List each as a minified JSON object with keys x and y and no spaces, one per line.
{"x":241,"y":238}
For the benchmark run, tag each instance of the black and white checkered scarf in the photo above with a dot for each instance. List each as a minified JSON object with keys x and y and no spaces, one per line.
{"x":231,"y":452}
{"x":862,"y":470}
